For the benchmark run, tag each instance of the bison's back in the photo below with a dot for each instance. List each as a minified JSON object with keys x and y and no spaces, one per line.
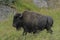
{"x":34,"y":19}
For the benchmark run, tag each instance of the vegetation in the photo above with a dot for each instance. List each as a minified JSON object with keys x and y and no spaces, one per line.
{"x":22,"y":5}
{"x":8,"y":32}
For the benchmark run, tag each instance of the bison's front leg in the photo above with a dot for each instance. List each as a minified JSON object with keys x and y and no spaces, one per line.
{"x":24,"y":33}
{"x":25,"y":30}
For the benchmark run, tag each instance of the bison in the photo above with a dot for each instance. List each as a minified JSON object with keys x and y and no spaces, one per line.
{"x":32,"y":22}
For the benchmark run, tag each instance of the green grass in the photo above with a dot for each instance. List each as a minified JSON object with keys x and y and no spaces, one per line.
{"x":8,"y":32}
{"x":22,"y":5}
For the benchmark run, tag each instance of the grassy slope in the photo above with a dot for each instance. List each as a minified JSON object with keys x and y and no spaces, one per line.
{"x":25,"y":5}
{"x":7,"y":32}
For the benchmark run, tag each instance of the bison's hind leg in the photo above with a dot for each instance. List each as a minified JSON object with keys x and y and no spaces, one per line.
{"x":49,"y":30}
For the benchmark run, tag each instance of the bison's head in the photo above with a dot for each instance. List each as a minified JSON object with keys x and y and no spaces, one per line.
{"x":17,"y":21}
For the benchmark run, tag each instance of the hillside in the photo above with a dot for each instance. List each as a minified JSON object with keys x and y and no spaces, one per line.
{"x":22,"y":5}
{"x":8,"y":32}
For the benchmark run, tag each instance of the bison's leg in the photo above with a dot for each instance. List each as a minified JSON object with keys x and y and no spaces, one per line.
{"x":49,"y":29}
{"x":35,"y":30}
{"x":25,"y":31}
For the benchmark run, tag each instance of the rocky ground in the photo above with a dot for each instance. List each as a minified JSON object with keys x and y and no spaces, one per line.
{"x":5,"y":11}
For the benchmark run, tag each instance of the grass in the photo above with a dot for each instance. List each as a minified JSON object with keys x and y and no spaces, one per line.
{"x":8,"y":32}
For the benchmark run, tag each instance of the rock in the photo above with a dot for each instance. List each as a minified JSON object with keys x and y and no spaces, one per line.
{"x":40,"y":3}
{"x":5,"y":12}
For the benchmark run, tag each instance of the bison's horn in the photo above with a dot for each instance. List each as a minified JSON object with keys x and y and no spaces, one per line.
{"x":20,"y":15}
